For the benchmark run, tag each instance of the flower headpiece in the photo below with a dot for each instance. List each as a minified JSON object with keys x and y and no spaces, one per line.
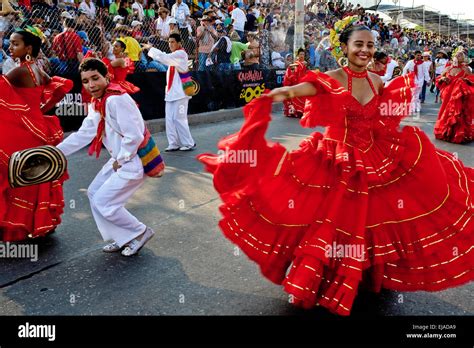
{"x":35,"y":31}
{"x":334,"y":34}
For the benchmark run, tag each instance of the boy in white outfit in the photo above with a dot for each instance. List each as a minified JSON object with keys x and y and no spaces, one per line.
{"x":123,"y":174}
{"x":176,"y":113}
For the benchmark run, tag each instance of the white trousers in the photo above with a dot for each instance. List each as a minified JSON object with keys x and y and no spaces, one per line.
{"x":108,"y":194}
{"x":177,"y":128}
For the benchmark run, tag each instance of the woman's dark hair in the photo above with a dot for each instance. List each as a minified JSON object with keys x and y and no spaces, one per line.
{"x":90,"y":64}
{"x":347,"y":32}
{"x":380,"y":55}
{"x":30,"y":40}
{"x":300,"y":50}
{"x":122,"y":44}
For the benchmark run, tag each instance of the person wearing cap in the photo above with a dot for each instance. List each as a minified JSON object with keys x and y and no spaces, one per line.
{"x":113,"y":113}
{"x":206,"y":36}
{"x":84,"y":41}
{"x":162,"y":25}
{"x":176,"y":111}
{"x":422,"y":74}
{"x":137,"y":31}
{"x":440,"y":64}
{"x":118,"y":19}
{"x":88,"y":7}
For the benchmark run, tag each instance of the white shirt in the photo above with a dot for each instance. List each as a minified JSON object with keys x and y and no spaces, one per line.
{"x":139,"y":7}
{"x":389,"y":72}
{"x":277,"y":60}
{"x":178,"y":59}
{"x":423,"y":72}
{"x":88,"y":9}
{"x":163,"y":26}
{"x":239,"y":18}
{"x":124,"y":133}
{"x":394,"y":43}
{"x":180,"y":12}
{"x":440,"y":65}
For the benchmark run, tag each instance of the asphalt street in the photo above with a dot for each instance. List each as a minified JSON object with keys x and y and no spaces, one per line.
{"x":189,"y":267}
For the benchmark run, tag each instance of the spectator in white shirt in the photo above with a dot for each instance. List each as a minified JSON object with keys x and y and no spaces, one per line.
{"x":162,"y":25}
{"x":88,"y":7}
{"x":440,"y":64}
{"x":137,"y":7}
{"x":180,"y":11}
{"x":239,"y":18}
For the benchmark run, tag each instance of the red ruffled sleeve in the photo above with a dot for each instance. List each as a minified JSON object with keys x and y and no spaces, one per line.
{"x":54,"y":91}
{"x":395,"y":101}
{"x":327,"y":107}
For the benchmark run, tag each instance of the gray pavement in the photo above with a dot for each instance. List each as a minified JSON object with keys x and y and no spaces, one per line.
{"x":188,"y":268}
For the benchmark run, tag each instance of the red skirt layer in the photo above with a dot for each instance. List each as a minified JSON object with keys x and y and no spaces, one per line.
{"x":403,"y":208}
{"x":33,"y":211}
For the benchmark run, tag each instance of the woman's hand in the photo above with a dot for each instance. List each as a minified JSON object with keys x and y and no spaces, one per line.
{"x":280,"y":94}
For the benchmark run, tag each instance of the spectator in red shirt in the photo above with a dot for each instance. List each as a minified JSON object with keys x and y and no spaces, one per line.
{"x":68,"y":48}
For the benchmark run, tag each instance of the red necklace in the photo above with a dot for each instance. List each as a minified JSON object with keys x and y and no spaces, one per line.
{"x":357,"y":75}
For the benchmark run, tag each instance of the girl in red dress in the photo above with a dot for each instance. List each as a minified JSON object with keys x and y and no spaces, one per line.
{"x":26,"y":92}
{"x":455,"y":116}
{"x":120,"y":67}
{"x":294,"y":73}
{"x":365,"y":203}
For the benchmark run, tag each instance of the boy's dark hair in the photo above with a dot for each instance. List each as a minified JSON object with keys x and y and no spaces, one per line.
{"x":417,"y":52}
{"x":90,"y":64}
{"x":175,"y":36}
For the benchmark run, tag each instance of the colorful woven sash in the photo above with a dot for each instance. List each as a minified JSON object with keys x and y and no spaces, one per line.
{"x":150,"y":156}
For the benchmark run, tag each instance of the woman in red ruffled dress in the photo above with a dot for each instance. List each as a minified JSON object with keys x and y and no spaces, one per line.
{"x":294,"y":73}
{"x":26,"y":92}
{"x":118,"y":69}
{"x":365,"y":203}
{"x":456,"y":114}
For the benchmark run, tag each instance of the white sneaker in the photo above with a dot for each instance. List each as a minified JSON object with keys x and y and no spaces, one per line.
{"x":111,"y":248}
{"x":187,"y":148}
{"x":171,"y":148}
{"x":135,"y":245}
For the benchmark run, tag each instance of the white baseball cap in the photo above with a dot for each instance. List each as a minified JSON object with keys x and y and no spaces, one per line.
{"x":172,"y":21}
{"x":135,"y":23}
{"x":66,"y":14}
{"x":118,"y":18}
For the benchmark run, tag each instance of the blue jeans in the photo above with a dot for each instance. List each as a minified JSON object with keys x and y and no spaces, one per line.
{"x":202,"y":61}
{"x":423,"y":92}
{"x":241,"y":34}
{"x":226,"y":67}
{"x":145,"y":64}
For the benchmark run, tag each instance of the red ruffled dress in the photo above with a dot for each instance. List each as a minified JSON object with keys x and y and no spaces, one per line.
{"x":33,"y":211}
{"x":117,"y":75}
{"x":294,"y":107}
{"x":456,"y":114}
{"x":363,"y":203}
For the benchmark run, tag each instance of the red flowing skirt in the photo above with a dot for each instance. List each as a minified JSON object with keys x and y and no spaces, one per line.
{"x":326,"y":218}
{"x":33,"y":211}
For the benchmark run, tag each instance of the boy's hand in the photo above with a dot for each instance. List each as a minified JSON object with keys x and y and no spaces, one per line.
{"x":116,"y":166}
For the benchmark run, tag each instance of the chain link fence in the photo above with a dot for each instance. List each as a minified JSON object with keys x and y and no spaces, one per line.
{"x":212,"y":35}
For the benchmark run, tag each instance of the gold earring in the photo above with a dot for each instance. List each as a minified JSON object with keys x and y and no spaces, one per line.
{"x":28,"y":58}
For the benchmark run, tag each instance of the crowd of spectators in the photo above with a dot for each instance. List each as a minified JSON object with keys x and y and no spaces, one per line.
{"x":220,"y":35}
